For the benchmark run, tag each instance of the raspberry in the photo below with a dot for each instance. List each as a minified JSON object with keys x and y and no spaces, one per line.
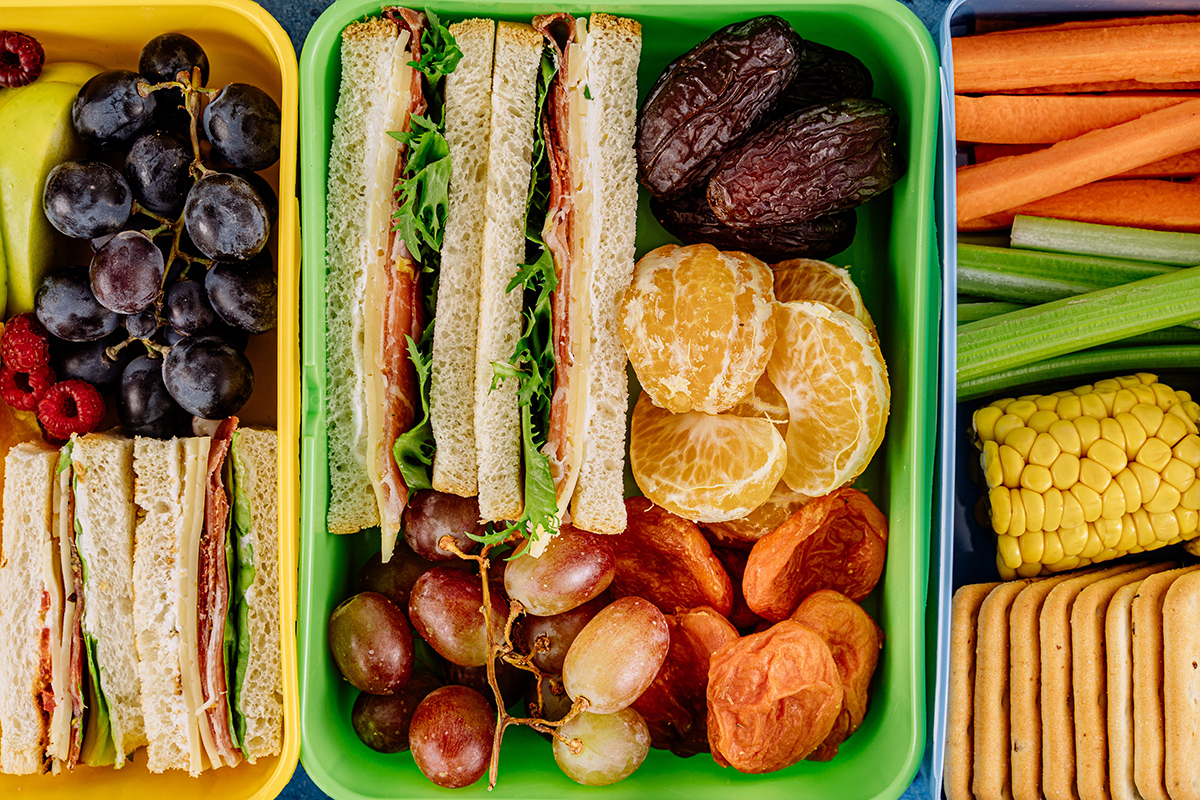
{"x":23,"y":390}
{"x":24,"y":345}
{"x":70,"y":407}
{"x":21,"y":59}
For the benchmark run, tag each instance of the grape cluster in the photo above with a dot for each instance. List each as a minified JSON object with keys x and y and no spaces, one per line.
{"x":178,"y":223}
{"x":565,"y":657}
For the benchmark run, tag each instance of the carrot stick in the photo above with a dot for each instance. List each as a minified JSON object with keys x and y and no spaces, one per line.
{"x":1039,"y":119}
{"x":1016,"y":180}
{"x":1181,"y":166}
{"x":1117,"y":22}
{"x":1158,"y":205}
{"x":1147,"y":53}
{"x":1109,"y":86}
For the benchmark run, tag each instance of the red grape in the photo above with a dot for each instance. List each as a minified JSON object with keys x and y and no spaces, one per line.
{"x":382,"y":721}
{"x":575,"y":567}
{"x":451,"y":736}
{"x":616,"y":656}
{"x":614,"y":745}
{"x":560,"y":630}
{"x":431,"y":515}
{"x":446,"y":608}
{"x":371,"y":643}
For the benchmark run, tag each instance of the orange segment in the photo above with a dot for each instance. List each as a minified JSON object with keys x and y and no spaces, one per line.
{"x":765,"y":402}
{"x":782,"y":503}
{"x":831,"y":372}
{"x":698,"y":325}
{"x":704,"y":467}
{"x":809,"y":280}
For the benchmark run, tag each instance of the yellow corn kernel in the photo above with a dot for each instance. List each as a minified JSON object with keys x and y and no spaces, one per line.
{"x":1005,"y":425}
{"x":1144,"y":394}
{"x":1029,"y":397}
{"x":1069,"y":407}
{"x":1145,"y":531}
{"x":1172,"y":430}
{"x":1023,"y":409}
{"x":1189,"y":520}
{"x":1191,"y":408}
{"x":1093,"y":547}
{"x":1000,"y":504}
{"x":1154,"y":454}
{"x":1072,"y":511}
{"x":1165,"y":526}
{"x":1073,"y":539}
{"x":1111,"y":385}
{"x":1179,"y":474}
{"x":984,"y":421}
{"x":1107,"y":455}
{"x":1135,"y":434}
{"x":993,"y":475}
{"x":1191,"y":498}
{"x":1065,"y":564}
{"x":1045,"y":449}
{"x":1046,"y":402}
{"x":1042,"y":420}
{"x":1066,"y":437}
{"x":1092,"y":474}
{"x":1183,"y":395}
{"x":1002,"y":403}
{"x":1123,"y":401}
{"x":1064,"y":472}
{"x":1036,"y":478}
{"x":1029,"y":570}
{"x":1089,"y":431}
{"x":1093,"y":406}
{"x":1187,"y":450}
{"x":1128,"y":534}
{"x":1110,"y":532}
{"x":1006,"y":574}
{"x":1110,"y":431}
{"x":1021,"y":440}
{"x":1009,"y":551}
{"x":1147,"y":378}
{"x":1089,"y":500}
{"x":1151,"y":417}
{"x":1130,"y":487}
{"x":1016,"y":525}
{"x":1052,"y":516}
{"x":1011,"y":465}
{"x":1112,"y":501}
{"x":1031,"y":547}
{"x":1148,"y":479}
{"x":1035,"y":510}
{"x":1052,"y":549}
{"x":1164,"y":396}
{"x":1165,"y":499}
{"x":1189,"y":422}
{"x":1082,"y":390}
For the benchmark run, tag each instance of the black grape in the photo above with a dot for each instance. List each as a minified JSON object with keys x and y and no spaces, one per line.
{"x":86,"y":199}
{"x":127,"y":272}
{"x":157,"y":171}
{"x":225,"y":218}
{"x":244,"y":294}
{"x":109,"y":111}
{"x":242,"y":122}
{"x":67,"y":308}
{"x":207,"y":377}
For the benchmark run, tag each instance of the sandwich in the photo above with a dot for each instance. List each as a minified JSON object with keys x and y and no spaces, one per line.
{"x":140,"y":582}
{"x":521,"y":388}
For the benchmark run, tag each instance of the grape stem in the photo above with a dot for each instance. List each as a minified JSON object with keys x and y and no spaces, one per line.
{"x":505,"y":651}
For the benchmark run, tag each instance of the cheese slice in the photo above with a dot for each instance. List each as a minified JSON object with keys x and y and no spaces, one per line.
{"x":195,"y":466}
{"x":60,"y":618}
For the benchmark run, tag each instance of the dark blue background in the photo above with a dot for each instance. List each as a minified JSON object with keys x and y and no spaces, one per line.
{"x":297,"y":16}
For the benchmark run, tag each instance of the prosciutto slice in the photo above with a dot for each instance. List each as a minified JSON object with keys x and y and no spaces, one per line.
{"x":213,"y":596}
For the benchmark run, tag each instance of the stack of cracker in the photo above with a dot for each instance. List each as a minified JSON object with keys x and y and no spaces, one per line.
{"x":1081,"y":686}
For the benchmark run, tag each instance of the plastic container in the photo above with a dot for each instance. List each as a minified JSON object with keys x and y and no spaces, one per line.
{"x":964,"y":552}
{"x":243,"y":43}
{"x":893,"y":260}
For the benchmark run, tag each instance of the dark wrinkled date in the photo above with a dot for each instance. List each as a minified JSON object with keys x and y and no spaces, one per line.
{"x":826,"y":74}
{"x":807,"y":165}
{"x":691,"y":220}
{"x":710,"y":97}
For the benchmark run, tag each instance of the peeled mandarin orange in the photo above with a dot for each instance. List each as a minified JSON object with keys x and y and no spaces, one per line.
{"x":704,"y":467}
{"x":831,"y":372}
{"x":782,"y":503}
{"x":698,"y":325}
{"x":806,"y":279}
{"x":764,"y":402}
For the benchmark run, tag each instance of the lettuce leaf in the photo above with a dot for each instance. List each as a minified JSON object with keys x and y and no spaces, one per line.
{"x":229,"y":642}
{"x":424,"y":193}
{"x":238,"y":606}
{"x":414,"y":449}
{"x":99,"y":749}
{"x":440,"y":54}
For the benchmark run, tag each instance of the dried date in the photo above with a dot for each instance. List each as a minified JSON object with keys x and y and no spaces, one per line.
{"x":710,"y":97}
{"x":690,"y":219}
{"x":838,"y":541}
{"x":826,"y":74}
{"x":807,"y":165}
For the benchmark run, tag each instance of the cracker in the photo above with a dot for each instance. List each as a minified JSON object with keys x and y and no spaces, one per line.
{"x":990,"y":775}
{"x":1181,"y":687}
{"x":964,"y":614}
{"x":1118,"y":649}
{"x":1089,"y":684}
{"x":1058,"y":717}
{"x":1148,"y":727}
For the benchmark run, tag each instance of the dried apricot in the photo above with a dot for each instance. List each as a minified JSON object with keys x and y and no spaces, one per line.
{"x":666,"y":559}
{"x":772,"y":698}
{"x":734,"y":562}
{"x":838,"y":541}
{"x":674,"y":705}
{"x":854,"y":640}
{"x":699,"y":325}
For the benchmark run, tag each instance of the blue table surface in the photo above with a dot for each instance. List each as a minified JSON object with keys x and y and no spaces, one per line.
{"x":296,"y":17}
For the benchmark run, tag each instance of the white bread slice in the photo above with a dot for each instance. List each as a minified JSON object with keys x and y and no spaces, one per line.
{"x":158,"y":558}
{"x":452,"y":390}
{"x":497,"y":422}
{"x":28,"y":502}
{"x":260,"y":701}
{"x":104,"y":512}
{"x":613,"y":49}
{"x":366,"y":70}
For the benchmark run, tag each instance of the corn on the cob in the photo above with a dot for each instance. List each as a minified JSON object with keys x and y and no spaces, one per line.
{"x":1090,"y":474}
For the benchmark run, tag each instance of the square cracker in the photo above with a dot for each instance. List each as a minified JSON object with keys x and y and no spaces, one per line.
{"x":1181,"y":686}
{"x":964,"y":614}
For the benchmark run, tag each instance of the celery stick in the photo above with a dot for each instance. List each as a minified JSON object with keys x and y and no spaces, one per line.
{"x":1077,"y":323}
{"x":976,"y":312}
{"x":1104,"y":362}
{"x":1112,"y":241}
{"x":972,"y":312}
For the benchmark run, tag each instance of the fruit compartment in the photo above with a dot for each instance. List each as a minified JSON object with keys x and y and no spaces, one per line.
{"x":893,"y":261}
{"x":245,"y":43}
{"x":963,"y":551}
